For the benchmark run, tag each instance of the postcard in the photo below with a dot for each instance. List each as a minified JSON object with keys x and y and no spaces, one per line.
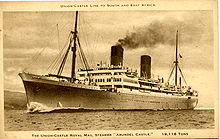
{"x":109,"y":69}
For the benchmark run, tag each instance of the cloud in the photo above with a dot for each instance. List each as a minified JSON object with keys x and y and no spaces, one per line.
{"x":27,"y":52}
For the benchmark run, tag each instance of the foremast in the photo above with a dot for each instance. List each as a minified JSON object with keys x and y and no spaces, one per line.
{"x":73,"y":74}
{"x":74,"y":43}
{"x":72,"y":46}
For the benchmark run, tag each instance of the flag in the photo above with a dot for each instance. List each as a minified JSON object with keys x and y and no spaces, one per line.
{"x":180,"y":56}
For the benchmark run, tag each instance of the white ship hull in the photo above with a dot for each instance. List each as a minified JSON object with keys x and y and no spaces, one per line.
{"x":47,"y":95}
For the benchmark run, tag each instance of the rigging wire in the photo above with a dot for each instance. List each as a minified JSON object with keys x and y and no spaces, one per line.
{"x":58,"y":37}
{"x":85,"y":36}
{"x":64,"y":59}
{"x":57,"y":60}
{"x":37,"y":54}
{"x":182,"y":75}
{"x":55,"y":64}
{"x":34,"y":58}
{"x":40,"y":52}
{"x":171,"y":74}
{"x":98,"y":36}
{"x":82,"y":53}
{"x":83,"y":57}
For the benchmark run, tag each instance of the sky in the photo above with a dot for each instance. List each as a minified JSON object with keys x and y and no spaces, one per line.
{"x":33,"y":40}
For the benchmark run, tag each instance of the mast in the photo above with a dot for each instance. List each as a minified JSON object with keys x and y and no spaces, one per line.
{"x":176,"y":62}
{"x":74,"y":48}
{"x":176,"y":66}
{"x":74,"y":42}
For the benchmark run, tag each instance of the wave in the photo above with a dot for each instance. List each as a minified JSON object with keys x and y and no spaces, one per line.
{"x":38,"y":107}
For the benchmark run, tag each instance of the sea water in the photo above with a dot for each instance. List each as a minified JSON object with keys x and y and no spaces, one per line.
{"x":20,"y":120}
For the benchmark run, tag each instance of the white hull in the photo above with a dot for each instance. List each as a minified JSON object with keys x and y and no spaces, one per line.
{"x":47,"y":95}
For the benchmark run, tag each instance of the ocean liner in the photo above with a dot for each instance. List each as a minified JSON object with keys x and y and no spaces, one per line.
{"x":106,"y":87}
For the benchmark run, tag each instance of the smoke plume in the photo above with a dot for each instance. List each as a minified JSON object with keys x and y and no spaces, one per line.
{"x":163,"y":32}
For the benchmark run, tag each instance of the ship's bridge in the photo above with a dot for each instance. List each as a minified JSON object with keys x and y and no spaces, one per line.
{"x":102,"y":74}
